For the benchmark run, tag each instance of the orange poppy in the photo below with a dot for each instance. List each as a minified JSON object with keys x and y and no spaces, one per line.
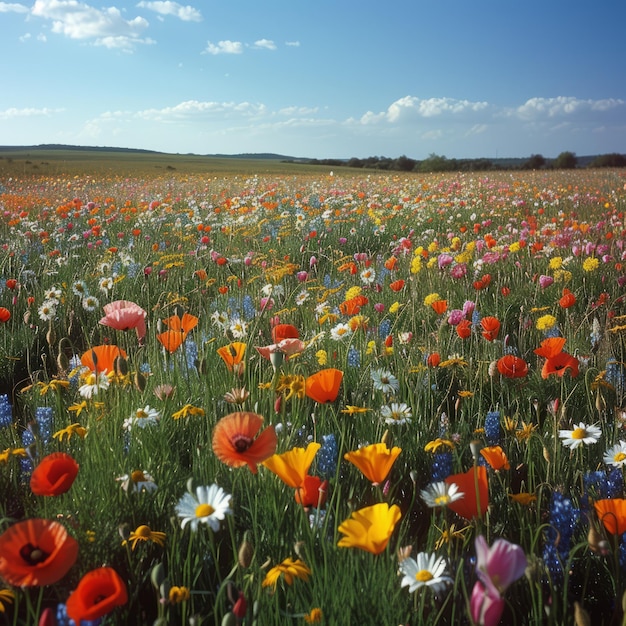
{"x":184,"y":323}
{"x":374,"y":461}
{"x":102,"y":358}
{"x":496,"y":457}
{"x":440,"y":306}
{"x":473,"y":484}
{"x":557,"y":362}
{"x":511,"y":366}
{"x":284,"y":331}
{"x":612,"y":513}
{"x":551,"y":347}
{"x":36,"y":552}
{"x":567,"y":299}
{"x":323,"y":386}
{"x":5,"y":314}
{"x":482,"y":283}
{"x":292,"y":467}
{"x":353,"y":305}
{"x":491,"y":327}
{"x":235,"y":440}
{"x":171,"y":340}
{"x":397,"y":285}
{"x":464,"y":329}
{"x":433,"y":359}
{"x":97,"y":594}
{"x":54,"y":475}
{"x":312,"y":492}
{"x":391,"y":263}
{"x":232,"y":354}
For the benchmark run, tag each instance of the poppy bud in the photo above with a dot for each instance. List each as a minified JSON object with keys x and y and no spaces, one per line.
{"x":245,"y":554}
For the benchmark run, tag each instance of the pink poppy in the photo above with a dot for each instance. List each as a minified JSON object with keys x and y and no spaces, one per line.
{"x":124,"y":315}
{"x":288,"y":347}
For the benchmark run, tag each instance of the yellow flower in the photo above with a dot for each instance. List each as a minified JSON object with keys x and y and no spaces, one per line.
{"x":546,"y":322}
{"x":438,"y":444}
{"x":562,"y":276}
{"x":430,"y":298}
{"x":447,"y":536}
{"x":371,"y":347}
{"x":526,"y":431}
{"x":416,"y":265}
{"x":590,"y":264}
{"x":353,"y":292}
{"x":145,"y":533}
{"x":523,"y":498}
{"x":515,"y":247}
{"x":395,"y":307}
{"x":72,"y":429}
{"x":9,"y":452}
{"x":370,"y":528}
{"x":290,"y":569}
{"x":374,"y":461}
{"x":351,"y":409}
{"x":187,"y":410}
{"x":55,"y":384}
{"x":314,"y":616}
{"x":322,"y":357}
{"x":7,"y":596}
{"x":293,"y":466}
{"x":556,"y":263}
{"x":178,"y":594}
{"x":77,"y":408}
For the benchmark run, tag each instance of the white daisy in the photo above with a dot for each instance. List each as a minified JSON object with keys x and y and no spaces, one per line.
{"x":142,"y":418}
{"x":302,"y":297}
{"x":93,"y":384}
{"x":238,"y":328}
{"x":47,"y":310}
{"x":427,"y":570}
{"x":581,"y":434}
{"x":396,"y":413}
{"x":90,"y":303}
{"x":137,"y":481}
{"x":341,"y":331}
{"x":106,"y":284}
{"x":209,"y":506}
{"x":616,"y":456}
{"x":79,"y":288}
{"x":220,"y":318}
{"x":441,"y":494}
{"x":54,"y":293}
{"x":368,"y":275}
{"x":384,"y":381}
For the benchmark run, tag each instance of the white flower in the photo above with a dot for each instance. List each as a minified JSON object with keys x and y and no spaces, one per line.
{"x":209,"y":506}
{"x":396,"y":413}
{"x":441,"y":494}
{"x":142,"y":418}
{"x":79,"y":288}
{"x":93,"y":384}
{"x":302,"y":297}
{"x":47,"y":310}
{"x":275,"y":291}
{"x":90,"y":303}
{"x":385,"y":381}
{"x":220,"y":319}
{"x":616,"y":455}
{"x":137,"y":481}
{"x":238,"y":328}
{"x":341,"y":331}
{"x":368,"y":275}
{"x":106,"y":284}
{"x":54,"y":293}
{"x":427,"y":570}
{"x":582,"y":433}
{"x":321,"y":308}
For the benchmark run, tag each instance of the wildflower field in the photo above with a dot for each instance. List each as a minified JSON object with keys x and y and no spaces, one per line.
{"x":287,"y":399}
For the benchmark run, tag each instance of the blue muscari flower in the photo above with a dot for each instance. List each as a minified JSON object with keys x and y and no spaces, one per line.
{"x":249,"y":310}
{"x":327,"y":281}
{"x":555,"y":331}
{"x":615,"y":376}
{"x":144,"y":368}
{"x":133,"y":270}
{"x":63,"y":619}
{"x":492,"y":427}
{"x":354,"y":357}
{"x":476,"y":317}
{"x":43,"y":417}
{"x":327,"y":457}
{"x":564,"y":519}
{"x":615,"y":483}
{"x":441,"y":467}
{"x":191,"y":353}
{"x":622,"y":553}
{"x":6,"y":411}
{"x":384,"y":328}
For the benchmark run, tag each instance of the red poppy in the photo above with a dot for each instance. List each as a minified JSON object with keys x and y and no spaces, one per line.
{"x":567,"y":299}
{"x":473,"y":484}
{"x":511,"y":366}
{"x":5,"y":314}
{"x":464,"y":329}
{"x":323,"y":386}
{"x":36,"y":552}
{"x":312,"y":492}
{"x":102,"y":358}
{"x":234,"y":440}
{"x":54,"y":475}
{"x":482,"y":283}
{"x":491,"y":327}
{"x":11,"y":283}
{"x":97,"y":594}
{"x":612,"y":513}
{"x":284,"y":331}
{"x":391,"y":263}
{"x":433,"y":359}
{"x":440,"y":306}
{"x":397,"y":285}
{"x":557,"y":362}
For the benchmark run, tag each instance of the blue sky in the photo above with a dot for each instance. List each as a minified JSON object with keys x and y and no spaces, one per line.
{"x":340,"y":78}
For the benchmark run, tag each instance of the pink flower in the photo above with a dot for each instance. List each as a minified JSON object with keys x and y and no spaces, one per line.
{"x":459,"y":271}
{"x":486,"y":610}
{"x":124,"y":315}
{"x":545,"y":281}
{"x":455,"y":316}
{"x":443,"y":260}
{"x":288,"y":347}
{"x":468,"y":308}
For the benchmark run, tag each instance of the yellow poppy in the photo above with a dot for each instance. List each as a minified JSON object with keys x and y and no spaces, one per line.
{"x":370,"y":528}
{"x":293,"y":466}
{"x":374,"y":461}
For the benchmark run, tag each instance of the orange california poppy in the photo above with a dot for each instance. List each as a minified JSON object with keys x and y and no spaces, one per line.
{"x":292,"y":466}
{"x":313,"y":492}
{"x":97,"y":594}
{"x":496,"y":457}
{"x":374,"y":461}
{"x":232,"y":354}
{"x":102,"y":358}
{"x":464,"y":329}
{"x":323,"y":386}
{"x":284,"y":331}
{"x":54,"y":475}
{"x":171,"y":340}
{"x":370,"y":528}
{"x":440,"y":306}
{"x":36,"y":552}
{"x":511,"y":366}
{"x":491,"y":327}
{"x":184,"y":323}
{"x":612,"y":513}
{"x":473,"y":484}
{"x":353,"y":305}
{"x":5,"y":314}
{"x":567,"y":299}
{"x":396,"y":285}
{"x":235,"y":440}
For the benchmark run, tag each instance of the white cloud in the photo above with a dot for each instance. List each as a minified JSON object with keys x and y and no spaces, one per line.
{"x":28,"y":112}
{"x":293,"y":44}
{"x":539,"y":108}
{"x":268,"y":44}
{"x":105,"y":27}
{"x":25,"y":37}
{"x":224,"y":47}
{"x":196,"y":109}
{"x":13,"y":7}
{"x":186,"y":13}
{"x":411,"y":107}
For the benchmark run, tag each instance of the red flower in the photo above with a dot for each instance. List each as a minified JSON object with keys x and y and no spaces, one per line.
{"x":323,"y":386}
{"x":440,"y":306}
{"x":473,"y":484}
{"x":464,"y":329}
{"x":54,"y":475}
{"x":433,"y":359}
{"x":353,"y":306}
{"x":491,"y":327}
{"x":284,"y":331}
{"x":5,"y":314}
{"x":11,"y":283}
{"x":397,"y":285}
{"x":312,"y":492}
{"x":567,"y":299}
{"x":557,"y":362}
{"x":511,"y":366}
{"x":97,"y":594}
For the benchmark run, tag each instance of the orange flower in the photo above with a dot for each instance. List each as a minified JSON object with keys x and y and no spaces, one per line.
{"x":5,"y":314}
{"x":353,"y":305}
{"x":391,"y":263}
{"x":36,"y":552}
{"x":323,"y":386}
{"x":184,"y":323}
{"x":98,"y":593}
{"x":374,"y":461}
{"x":292,"y":467}
{"x":567,"y":299}
{"x":491,"y":327}
{"x":171,"y":340}
{"x":397,"y":285}
{"x":496,"y":457}
{"x":234,"y":440}
{"x":433,"y":359}
{"x":54,"y":475}
{"x":440,"y":306}
{"x":284,"y":331}
{"x":557,"y":362}
{"x":102,"y":358}
{"x":370,"y":528}
{"x":232,"y":354}
{"x":313,"y":492}
{"x":511,"y":366}
{"x":612,"y":513}
{"x":464,"y":329}
{"x":473,"y":484}
{"x":482,"y":283}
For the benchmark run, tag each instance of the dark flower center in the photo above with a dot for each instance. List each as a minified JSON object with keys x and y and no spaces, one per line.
{"x":33,"y":555}
{"x":241,"y":443}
